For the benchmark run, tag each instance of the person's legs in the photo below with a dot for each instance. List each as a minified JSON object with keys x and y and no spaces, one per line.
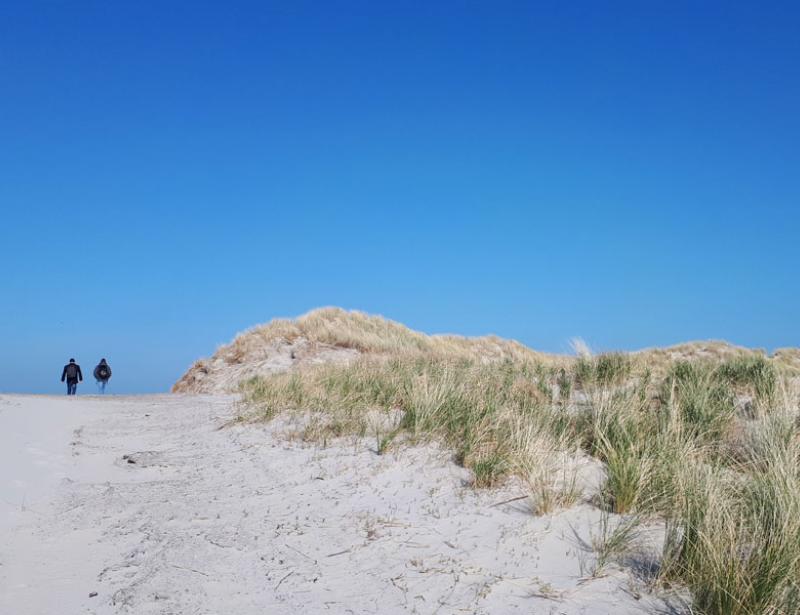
{"x":103,"y":386}
{"x":72,"y":385}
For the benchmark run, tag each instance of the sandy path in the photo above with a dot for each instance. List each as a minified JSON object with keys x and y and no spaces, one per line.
{"x":244,"y":521}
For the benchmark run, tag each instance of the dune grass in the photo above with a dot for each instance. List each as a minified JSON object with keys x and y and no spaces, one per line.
{"x":676,"y":441}
{"x":371,"y":334}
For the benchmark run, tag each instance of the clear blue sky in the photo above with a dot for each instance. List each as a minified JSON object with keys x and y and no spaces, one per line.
{"x":172,"y":173}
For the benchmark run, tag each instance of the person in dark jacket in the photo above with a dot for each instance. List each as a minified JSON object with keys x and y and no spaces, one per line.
{"x":72,"y":374}
{"x":102,"y":373}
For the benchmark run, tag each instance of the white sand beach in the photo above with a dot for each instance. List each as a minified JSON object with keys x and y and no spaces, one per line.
{"x":152,"y":505}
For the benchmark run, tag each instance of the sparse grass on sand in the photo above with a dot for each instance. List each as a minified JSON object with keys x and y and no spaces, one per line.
{"x":709,"y":445}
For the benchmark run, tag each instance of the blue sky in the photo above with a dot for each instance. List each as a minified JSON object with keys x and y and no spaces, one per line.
{"x":172,"y":173}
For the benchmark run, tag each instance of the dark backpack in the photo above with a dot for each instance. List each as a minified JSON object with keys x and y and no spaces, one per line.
{"x":72,"y":371}
{"x":103,"y":372}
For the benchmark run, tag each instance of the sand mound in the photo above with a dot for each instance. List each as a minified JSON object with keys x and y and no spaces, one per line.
{"x":330,"y":335}
{"x":333,"y":335}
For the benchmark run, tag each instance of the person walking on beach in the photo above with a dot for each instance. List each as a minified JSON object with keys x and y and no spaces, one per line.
{"x":102,"y":373}
{"x":72,"y":374}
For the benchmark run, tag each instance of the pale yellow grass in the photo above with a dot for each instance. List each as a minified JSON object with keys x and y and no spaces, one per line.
{"x":373,"y":334}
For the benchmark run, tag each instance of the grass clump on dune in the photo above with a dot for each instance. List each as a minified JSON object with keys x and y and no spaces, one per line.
{"x":705,"y":402}
{"x":755,"y":374}
{"x":604,"y":369}
{"x":735,"y":534}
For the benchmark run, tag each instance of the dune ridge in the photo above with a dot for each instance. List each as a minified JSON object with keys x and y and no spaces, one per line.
{"x":337,"y":336}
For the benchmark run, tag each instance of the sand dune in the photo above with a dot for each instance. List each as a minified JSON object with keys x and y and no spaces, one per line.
{"x":334,"y":335}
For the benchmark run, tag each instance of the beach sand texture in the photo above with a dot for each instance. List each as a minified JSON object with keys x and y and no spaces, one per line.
{"x":149,"y":503}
